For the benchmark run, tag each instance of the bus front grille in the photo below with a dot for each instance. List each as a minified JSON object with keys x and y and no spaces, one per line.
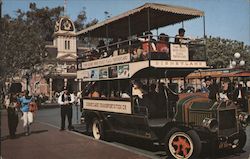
{"x":227,"y":122}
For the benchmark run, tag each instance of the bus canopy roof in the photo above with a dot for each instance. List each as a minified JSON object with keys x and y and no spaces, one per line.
{"x":159,"y":15}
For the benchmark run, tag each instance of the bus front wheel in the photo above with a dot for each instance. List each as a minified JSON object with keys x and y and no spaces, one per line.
{"x":182,"y":144}
{"x":97,"y":129}
{"x":242,"y":141}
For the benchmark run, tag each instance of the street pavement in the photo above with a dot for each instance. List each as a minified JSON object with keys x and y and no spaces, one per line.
{"x":52,"y":116}
{"x":47,"y":125}
{"x":47,"y":142}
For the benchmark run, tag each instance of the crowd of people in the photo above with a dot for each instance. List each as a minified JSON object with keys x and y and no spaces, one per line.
{"x":224,"y":91}
{"x":25,"y":106}
{"x":139,"y":46}
{"x":153,"y":93}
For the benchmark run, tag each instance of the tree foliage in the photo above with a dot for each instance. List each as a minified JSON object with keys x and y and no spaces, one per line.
{"x":80,"y":22}
{"x":23,"y":38}
{"x":220,"y":51}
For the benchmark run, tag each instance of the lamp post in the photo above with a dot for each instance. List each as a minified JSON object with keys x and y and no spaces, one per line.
{"x":237,"y":61}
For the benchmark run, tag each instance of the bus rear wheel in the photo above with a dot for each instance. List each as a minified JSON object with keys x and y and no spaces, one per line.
{"x":97,"y":129}
{"x":182,"y":144}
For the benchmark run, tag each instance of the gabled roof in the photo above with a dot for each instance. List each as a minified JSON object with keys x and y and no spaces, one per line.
{"x":160,"y":15}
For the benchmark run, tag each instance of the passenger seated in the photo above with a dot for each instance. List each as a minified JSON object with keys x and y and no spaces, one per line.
{"x":122,"y":46}
{"x":125,"y":95}
{"x":162,"y":43}
{"x":162,"y":47}
{"x":152,"y":106}
{"x":94,"y":93}
{"x":103,"y":94}
{"x":95,"y":55}
{"x":136,"y":54}
{"x":102,"y":49}
{"x":137,"y":89}
{"x":161,"y":102}
{"x":152,"y":92}
{"x":136,"y":50}
{"x":147,"y":45}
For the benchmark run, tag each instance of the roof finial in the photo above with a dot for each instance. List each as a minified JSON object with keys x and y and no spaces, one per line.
{"x":65,"y":8}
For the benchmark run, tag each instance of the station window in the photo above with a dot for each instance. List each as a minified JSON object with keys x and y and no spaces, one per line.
{"x":67,"y":45}
{"x":109,"y":89}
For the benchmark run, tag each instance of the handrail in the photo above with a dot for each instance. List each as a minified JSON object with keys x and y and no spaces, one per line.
{"x":134,"y":47}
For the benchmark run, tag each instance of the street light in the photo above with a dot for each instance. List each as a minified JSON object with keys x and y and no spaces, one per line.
{"x":237,"y":55}
{"x":237,"y":62}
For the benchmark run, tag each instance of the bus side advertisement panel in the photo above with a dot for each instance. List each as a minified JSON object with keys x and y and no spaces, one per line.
{"x":108,"y":106}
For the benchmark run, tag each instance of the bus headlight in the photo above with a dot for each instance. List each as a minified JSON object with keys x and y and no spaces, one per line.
{"x":244,"y":119}
{"x":211,"y":124}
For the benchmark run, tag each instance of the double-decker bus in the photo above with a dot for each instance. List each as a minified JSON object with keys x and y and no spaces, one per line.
{"x":128,"y":85}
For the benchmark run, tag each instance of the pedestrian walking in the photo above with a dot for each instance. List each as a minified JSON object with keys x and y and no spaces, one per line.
{"x":66,"y":100}
{"x":11,"y":105}
{"x":27,"y":116}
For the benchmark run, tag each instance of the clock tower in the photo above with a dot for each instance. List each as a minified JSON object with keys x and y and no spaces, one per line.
{"x":65,"y":39}
{"x":64,"y":50}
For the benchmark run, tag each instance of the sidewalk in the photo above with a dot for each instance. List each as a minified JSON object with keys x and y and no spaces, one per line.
{"x":47,"y":142}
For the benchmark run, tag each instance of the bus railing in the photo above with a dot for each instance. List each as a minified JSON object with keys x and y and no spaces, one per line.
{"x":140,"y":49}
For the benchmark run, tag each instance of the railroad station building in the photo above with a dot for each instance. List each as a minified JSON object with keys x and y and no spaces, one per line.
{"x":60,"y":68}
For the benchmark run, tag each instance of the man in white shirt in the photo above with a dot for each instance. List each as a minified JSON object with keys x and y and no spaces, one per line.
{"x":66,"y":101}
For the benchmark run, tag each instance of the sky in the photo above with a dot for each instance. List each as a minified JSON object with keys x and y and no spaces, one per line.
{"x":229,"y":19}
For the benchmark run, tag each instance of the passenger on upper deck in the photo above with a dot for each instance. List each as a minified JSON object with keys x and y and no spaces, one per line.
{"x":147,"y":44}
{"x":113,"y":47}
{"x":102,"y":49}
{"x":180,"y":37}
{"x":162,"y":46}
{"x":162,"y":43}
{"x":122,"y":45}
{"x":136,"y":49}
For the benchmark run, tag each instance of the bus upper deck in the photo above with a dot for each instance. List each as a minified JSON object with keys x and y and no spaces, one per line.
{"x":139,"y":51}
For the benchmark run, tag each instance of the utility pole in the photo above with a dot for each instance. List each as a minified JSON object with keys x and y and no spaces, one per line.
{"x":65,"y":8}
